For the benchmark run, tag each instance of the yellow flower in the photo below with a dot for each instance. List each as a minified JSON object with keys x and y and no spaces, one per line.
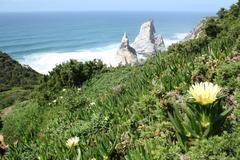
{"x":72,"y":142}
{"x":205,"y":92}
{"x":141,"y":126}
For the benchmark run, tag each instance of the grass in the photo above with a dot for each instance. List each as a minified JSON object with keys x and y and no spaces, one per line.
{"x":10,"y":97}
{"x":123,"y":113}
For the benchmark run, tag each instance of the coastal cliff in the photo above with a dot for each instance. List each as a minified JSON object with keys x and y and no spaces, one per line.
{"x":166,"y":108}
{"x":197,"y":31}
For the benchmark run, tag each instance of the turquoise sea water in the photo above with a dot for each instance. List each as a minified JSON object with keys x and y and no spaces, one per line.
{"x":42,"y":40}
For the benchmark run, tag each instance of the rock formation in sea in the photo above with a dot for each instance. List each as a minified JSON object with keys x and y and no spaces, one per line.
{"x":148,"y":42}
{"x":126,"y":54}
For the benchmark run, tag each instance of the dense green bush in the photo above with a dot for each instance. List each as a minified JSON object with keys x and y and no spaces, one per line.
{"x":212,"y":29}
{"x":237,"y":45}
{"x":194,"y":46}
{"x":228,"y":74}
{"x":225,"y":146}
{"x":122,"y":113}
{"x":73,"y":73}
{"x":222,"y":13}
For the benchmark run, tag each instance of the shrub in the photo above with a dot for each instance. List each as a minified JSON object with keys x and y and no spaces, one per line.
{"x":73,"y":73}
{"x":194,"y":46}
{"x":237,"y":45}
{"x":212,"y":29}
{"x":222,"y":13}
{"x":228,"y":75}
{"x":234,"y":10}
{"x":218,"y":147}
{"x":115,"y":115}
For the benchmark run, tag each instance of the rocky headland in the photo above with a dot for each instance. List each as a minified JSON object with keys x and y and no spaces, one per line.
{"x":197,"y":30}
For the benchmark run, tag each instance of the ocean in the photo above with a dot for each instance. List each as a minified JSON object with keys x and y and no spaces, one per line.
{"x":42,"y":40}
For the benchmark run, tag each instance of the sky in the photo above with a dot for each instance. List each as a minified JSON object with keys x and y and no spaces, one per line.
{"x":113,"y":5}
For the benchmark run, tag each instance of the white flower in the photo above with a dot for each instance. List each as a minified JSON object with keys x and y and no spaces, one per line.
{"x":106,"y":118}
{"x":79,"y":89}
{"x":72,"y":142}
{"x":64,"y":90}
{"x":205,"y":92}
{"x":61,"y":97}
{"x":92,"y":104}
{"x":55,"y":101}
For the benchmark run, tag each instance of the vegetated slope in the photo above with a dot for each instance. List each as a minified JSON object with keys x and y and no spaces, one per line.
{"x":13,"y":74}
{"x":122,"y":113}
{"x":16,"y":81}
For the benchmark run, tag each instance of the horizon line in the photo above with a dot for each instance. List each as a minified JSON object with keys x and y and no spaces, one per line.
{"x":87,"y":11}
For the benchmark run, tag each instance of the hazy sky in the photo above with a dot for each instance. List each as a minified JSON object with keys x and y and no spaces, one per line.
{"x":113,"y":5}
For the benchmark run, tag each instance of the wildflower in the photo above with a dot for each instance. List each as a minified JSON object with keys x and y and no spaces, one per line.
{"x":205,"y":92}
{"x":72,"y":142}
{"x":61,"y":97}
{"x":92,"y":104}
{"x":55,"y":101}
{"x":64,"y":90}
{"x":79,"y":89}
{"x":106,"y":118}
{"x":141,"y":126}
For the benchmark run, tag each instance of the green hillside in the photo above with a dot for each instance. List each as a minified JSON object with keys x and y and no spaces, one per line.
{"x":16,"y":81}
{"x":140,"y":112}
{"x":12,"y":74}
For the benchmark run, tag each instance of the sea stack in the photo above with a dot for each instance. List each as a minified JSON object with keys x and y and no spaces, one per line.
{"x":148,"y":42}
{"x":126,"y":54}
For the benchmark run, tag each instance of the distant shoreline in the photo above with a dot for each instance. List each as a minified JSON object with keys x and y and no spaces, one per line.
{"x":44,"y":40}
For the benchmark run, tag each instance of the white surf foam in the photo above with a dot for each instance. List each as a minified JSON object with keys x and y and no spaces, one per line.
{"x":45,"y":62}
{"x":181,"y":36}
{"x":176,"y":38}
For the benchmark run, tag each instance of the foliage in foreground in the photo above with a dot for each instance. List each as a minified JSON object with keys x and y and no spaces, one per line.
{"x":123,"y":112}
{"x":201,"y":118}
